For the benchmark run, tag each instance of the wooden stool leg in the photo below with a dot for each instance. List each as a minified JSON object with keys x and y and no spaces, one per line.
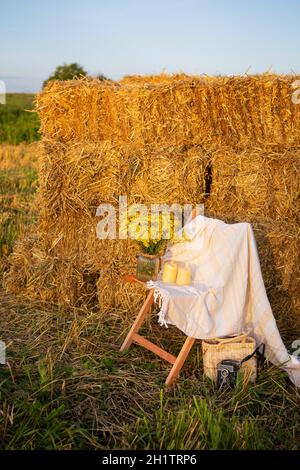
{"x":180,"y":360}
{"x":139,"y":320}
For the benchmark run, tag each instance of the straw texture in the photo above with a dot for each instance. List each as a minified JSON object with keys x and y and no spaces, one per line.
{"x":256,"y":182}
{"x":182,"y":111}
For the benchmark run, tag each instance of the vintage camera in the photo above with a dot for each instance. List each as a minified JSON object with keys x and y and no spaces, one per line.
{"x":227,"y":373}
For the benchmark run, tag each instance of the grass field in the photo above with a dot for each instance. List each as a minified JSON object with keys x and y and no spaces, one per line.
{"x":18,"y":122}
{"x":18,"y":182}
{"x":67,"y":386}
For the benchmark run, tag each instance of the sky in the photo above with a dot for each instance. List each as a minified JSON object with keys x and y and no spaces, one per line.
{"x":124,"y":37}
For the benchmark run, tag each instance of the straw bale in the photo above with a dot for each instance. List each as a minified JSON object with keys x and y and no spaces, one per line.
{"x":159,"y":78}
{"x":256,"y":182}
{"x":75,"y":179}
{"x":113,"y":292}
{"x":191,"y":111}
{"x":37,"y":274}
{"x":278,"y":245}
{"x":72,"y":178}
{"x":165,"y":175}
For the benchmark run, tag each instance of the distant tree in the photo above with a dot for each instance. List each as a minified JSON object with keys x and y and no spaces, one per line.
{"x":100,"y":76}
{"x":66,"y":72}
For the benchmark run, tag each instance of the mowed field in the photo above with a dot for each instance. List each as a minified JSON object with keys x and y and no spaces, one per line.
{"x":67,"y":386}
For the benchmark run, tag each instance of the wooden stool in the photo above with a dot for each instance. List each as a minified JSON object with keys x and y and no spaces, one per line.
{"x":134,"y":337}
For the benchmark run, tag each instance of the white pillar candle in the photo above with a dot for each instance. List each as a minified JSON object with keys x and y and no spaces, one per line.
{"x":169,"y":272}
{"x":183,"y":277}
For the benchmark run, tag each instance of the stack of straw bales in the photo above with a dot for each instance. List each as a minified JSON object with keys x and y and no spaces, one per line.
{"x":231,"y":142}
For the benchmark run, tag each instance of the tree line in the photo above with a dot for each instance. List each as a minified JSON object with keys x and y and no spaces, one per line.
{"x":69,"y":72}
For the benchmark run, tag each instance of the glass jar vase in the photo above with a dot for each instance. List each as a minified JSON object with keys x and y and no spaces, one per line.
{"x":147,"y":267}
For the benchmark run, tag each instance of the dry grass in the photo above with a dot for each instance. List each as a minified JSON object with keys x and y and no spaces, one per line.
{"x":67,"y":386}
{"x":13,"y":157}
{"x":18,"y":182}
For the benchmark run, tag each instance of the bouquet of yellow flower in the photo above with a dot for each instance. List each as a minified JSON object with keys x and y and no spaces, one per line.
{"x":151,"y":230}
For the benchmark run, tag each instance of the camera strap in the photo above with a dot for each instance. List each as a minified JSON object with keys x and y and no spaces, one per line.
{"x":259,"y":351}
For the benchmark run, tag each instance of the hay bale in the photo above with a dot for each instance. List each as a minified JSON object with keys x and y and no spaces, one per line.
{"x":113,"y":293}
{"x":165,"y":175}
{"x":37,"y":274}
{"x":76,"y":178}
{"x":191,"y":111}
{"x":255,"y":182}
{"x":160,"y":78}
{"x":278,"y":245}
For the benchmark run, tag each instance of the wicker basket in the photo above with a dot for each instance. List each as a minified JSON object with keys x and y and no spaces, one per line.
{"x":234,"y":347}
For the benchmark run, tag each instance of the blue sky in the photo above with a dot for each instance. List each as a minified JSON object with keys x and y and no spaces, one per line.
{"x":119,"y":37}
